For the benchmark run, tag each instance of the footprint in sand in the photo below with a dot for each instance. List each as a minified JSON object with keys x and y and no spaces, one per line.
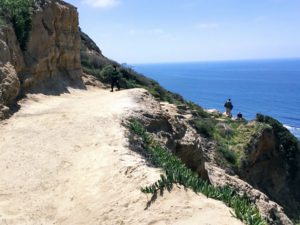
{"x":158,"y":222}
{"x":77,"y":148}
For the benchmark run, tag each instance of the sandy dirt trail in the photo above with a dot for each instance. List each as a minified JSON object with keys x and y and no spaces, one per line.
{"x":65,"y":160}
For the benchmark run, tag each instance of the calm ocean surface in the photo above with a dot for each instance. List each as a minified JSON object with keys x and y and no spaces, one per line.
{"x":270,"y":87}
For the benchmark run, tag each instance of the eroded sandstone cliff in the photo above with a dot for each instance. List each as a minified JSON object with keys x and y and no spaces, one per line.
{"x":271,"y":168}
{"x":171,"y":126}
{"x":11,"y":62}
{"x":51,"y":62}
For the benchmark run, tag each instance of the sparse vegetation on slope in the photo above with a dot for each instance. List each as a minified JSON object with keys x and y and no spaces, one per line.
{"x":234,"y":138}
{"x":225,"y":133}
{"x":178,"y":173}
{"x":94,"y":63}
{"x":19,"y":13}
{"x":129,"y":79}
{"x":288,"y":143}
{"x":235,"y":144}
{"x":248,"y":149}
{"x":2,"y":19}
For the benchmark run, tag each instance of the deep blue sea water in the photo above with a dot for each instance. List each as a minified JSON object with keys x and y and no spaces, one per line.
{"x":270,"y":87}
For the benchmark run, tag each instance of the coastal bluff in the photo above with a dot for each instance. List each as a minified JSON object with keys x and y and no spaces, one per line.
{"x":51,"y":61}
{"x":68,"y":154}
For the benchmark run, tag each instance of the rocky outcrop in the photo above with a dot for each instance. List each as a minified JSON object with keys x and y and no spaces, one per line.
{"x":51,"y":62}
{"x":270,"y":210}
{"x":54,"y":63}
{"x":9,"y":88}
{"x":11,"y":62}
{"x":171,"y":127}
{"x":9,"y":84}
{"x":264,"y":168}
{"x":9,"y":48}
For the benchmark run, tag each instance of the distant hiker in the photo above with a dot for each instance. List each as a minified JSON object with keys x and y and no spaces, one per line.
{"x":239,"y":116}
{"x":228,"y":106}
{"x":115,"y":76}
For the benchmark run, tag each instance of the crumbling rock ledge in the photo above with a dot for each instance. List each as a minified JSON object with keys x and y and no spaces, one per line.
{"x":270,"y":210}
{"x":172,"y":129}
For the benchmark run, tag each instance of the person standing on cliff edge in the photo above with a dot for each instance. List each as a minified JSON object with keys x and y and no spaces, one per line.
{"x":228,"y":106}
{"x":115,"y":76}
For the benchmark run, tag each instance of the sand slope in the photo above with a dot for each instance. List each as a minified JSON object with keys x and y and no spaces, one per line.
{"x":65,"y":160}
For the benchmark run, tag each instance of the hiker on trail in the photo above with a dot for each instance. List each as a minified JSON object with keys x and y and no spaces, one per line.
{"x":115,"y":76}
{"x":228,"y":106}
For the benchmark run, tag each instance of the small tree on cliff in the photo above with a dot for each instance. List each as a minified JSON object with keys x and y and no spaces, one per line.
{"x":19,"y":13}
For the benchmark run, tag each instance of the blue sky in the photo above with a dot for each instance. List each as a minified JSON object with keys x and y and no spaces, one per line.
{"x":149,"y":31}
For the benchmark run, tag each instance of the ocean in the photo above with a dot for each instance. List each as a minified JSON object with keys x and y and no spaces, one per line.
{"x":270,"y":87}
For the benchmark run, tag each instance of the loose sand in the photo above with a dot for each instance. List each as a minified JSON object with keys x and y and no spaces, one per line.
{"x":65,"y":160}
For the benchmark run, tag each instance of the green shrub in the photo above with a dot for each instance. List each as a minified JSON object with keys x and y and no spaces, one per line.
{"x":197,"y":110}
{"x":138,"y":128}
{"x":129,"y":74}
{"x":288,"y":143}
{"x":2,"y":20}
{"x":101,"y":69}
{"x":132,"y":79}
{"x":84,"y":56}
{"x":204,"y":126}
{"x":106,"y":72}
{"x":297,"y":222}
{"x":234,"y":138}
{"x":178,"y":173}
{"x":228,"y":155}
{"x":20,"y":14}
{"x":225,"y":130}
{"x":92,"y":61}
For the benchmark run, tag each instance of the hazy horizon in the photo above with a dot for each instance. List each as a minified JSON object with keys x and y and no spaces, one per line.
{"x":141,"y":31}
{"x":217,"y":61}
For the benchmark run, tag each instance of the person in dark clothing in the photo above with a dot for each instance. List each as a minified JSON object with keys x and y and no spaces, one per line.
{"x":115,"y":76}
{"x":228,"y":106}
{"x":239,"y":116}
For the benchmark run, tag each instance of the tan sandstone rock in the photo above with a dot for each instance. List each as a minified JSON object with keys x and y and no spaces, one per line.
{"x":9,"y":84}
{"x":53,"y":50}
{"x":51,"y":62}
{"x":9,"y":48}
{"x":269,"y":209}
{"x":4,"y":112}
{"x":11,"y":61}
{"x":172,"y":129}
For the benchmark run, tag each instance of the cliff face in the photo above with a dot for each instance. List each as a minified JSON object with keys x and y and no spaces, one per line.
{"x":170,"y":125}
{"x":11,"y":62}
{"x":54,"y":63}
{"x":265,"y":169}
{"x":10,"y":49}
{"x":51,"y":62}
